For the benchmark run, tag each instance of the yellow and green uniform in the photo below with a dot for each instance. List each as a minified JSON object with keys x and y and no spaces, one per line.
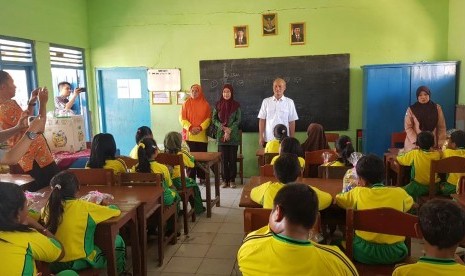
{"x":427,"y":266}
{"x":266,"y":192}
{"x":117,"y":165}
{"x":266,"y":253}
{"x":20,"y":250}
{"x":450,"y":187}
{"x":375,"y":248}
{"x":420,"y":161}
{"x":189,"y":162}
{"x":76,"y":232}
{"x":272,"y":146}
{"x":133,"y":152}
{"x":301,"y":161}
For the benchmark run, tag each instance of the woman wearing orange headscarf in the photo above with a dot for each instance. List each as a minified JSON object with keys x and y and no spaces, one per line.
{"x":195,"y":119}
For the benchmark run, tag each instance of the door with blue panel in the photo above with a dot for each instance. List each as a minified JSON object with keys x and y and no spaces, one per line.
{"x":441,"y":79}
{"x":124,"y":104}
{"x":386,"y":98}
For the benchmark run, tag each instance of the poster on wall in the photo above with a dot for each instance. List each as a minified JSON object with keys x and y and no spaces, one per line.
{"x":160,"y":80}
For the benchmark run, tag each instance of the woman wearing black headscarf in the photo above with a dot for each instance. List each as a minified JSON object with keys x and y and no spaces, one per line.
{"x":227,"y":117}
{"x":424,"y":115}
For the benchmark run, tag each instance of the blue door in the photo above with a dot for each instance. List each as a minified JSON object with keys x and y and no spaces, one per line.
{"x":124,"y":104}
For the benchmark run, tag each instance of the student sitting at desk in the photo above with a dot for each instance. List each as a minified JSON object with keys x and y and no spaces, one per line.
{"x":368,"y":247}
{"x":286,"y":170}
{"x":283,"y":247}
{"x":141,"y":133}
{"x":73,"y":221}
{"x":280,"y":132}
{"x":420,"y":160}
{"x":344,"y":149}
{"x":442,"y":226}
{"x":102,"y":154}
{"x":455,"y":147}
{"x":291,"y":145}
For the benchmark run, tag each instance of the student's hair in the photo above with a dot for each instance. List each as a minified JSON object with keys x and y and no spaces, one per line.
{"x":103,"y":148}
{"x":425,"y":140}
{"x":458,"y":138}
{"x":371,"y":169}
{"x":298,"y":203}
{"x":11,"y":203}
{"x":280,"y":132}
{"x":63,"y":83}
{"x":173,"y":142}
{"x":286,"y":168}
{"x":442,"y":223}
{"x":344,"y":149}
{"x":143,"y":132}
{"x":64,"y":186}
{"x":291,"y":145}
{"x":147,"y":148}
{"x":3,"y":77}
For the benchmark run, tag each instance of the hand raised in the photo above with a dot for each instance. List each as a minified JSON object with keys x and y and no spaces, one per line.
{"x":43,"y":95}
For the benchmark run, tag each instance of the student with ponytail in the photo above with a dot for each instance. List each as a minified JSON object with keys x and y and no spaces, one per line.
{"x":279,"y":132}
{"x":73,"y":221}
{"x":141,"y":133}
{"x":344,"y":149}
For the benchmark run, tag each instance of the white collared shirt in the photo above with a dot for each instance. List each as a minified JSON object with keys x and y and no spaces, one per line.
{"x":275,"y":112}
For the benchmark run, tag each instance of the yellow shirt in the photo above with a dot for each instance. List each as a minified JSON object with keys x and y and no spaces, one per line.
{"x":272,"y":146}
{"x":420,"y":161}
{"x":188,"y":161}
{"x":20,"y":250}
{"x":362,"y":198}
{"x":301,"y":161}
{"x":453,"y":178}
{"x":266,"y":192}
{"x":133,"y":153}
{"x":118,"y":166}
{"x":428,"y":266}
{"x":266,"y":253}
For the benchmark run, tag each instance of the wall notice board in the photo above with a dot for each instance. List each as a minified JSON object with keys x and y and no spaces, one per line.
{"x":319,"y":86}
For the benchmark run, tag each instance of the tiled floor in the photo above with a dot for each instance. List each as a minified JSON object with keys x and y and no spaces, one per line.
{"x":212,"y":244}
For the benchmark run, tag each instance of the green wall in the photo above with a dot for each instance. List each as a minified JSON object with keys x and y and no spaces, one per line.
{"x":457,"y":39}
{"x":177,"y":34}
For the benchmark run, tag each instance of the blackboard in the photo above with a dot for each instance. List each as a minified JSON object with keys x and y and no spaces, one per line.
{"x":319,"y":86}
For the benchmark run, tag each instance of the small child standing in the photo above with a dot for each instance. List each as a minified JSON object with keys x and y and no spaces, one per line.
{"x":442,"y":226}
{"x":280,"y":132}
{"x":420,"y":160}
{"x":455,"y":147}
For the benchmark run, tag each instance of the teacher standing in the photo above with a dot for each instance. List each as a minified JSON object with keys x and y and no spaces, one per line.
{"x":276,"y":109}
{"x":227,"y":117}
{"x":195,"y":119}
{"x":424,"y":115}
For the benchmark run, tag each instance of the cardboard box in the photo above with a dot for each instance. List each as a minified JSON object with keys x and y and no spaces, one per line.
{"x":65,"y":134}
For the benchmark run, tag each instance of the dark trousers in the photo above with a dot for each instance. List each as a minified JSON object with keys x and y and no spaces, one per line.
{"x":228,"y":162}
{"x":42,"y":176}
{"x":199,"y":147}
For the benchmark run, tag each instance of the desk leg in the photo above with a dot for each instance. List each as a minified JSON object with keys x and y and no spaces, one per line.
{"x":106,"y":240}
{"x":208,"y":193}
{"x":161,"y":233}
{"x":135,"y":249}
{"x":216,"y":171}
{"x":142,"y":237}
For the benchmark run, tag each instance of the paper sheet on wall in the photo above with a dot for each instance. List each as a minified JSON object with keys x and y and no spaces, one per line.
{"x":129,"y":88}
{"x":160,"y":80}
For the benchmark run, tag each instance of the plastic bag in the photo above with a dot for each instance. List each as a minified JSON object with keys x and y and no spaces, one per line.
{"x":350,"y":179}
{"x":97,"y":197}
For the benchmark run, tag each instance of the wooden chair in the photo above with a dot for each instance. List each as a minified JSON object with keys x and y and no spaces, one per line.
{"x":130,"y":162}
{"x":374,"y":220}
{"x":453,"y":164}
{"x":94,"y":177}
{"x":168,"y":212}
{"x":313,"y":159}
{"x":332,"y":138}
{"x":185,"y":192}
{"x":240,"y":158}
{"x":461,"y":185}
{"x":332,"y":172}
{"x":398,"y":139}
{"x":267,"y":170}
{"x":268,"y":156}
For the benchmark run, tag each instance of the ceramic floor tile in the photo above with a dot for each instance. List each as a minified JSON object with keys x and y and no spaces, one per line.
{"x":199,"y":238}
{"x":192,"y":250}
{"x":228,"y":239}
{"x":207,"y":227}
{"x":216,"y":266}
{"x":227,"y":227}
{"x":213,"y":218}
{"x":183,"y":265}
{"x":235,"y":219}
{"x":222,"y":252}
{"x":170,"y":274}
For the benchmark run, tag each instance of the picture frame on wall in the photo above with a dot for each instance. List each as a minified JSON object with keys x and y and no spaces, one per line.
{"x":161,"y":97}
{"x":270,"y":24}
{"x":181,"y":97}
{"x":241,"y":36}
{"x":297,"y":33}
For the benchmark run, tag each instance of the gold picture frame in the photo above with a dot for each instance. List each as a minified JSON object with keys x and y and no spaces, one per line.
{"x":297,"y":33}
{"x":161,"y":97}
{"x":241,"y":36}
{"x":181,"y":97}
{"x":269,"y":24}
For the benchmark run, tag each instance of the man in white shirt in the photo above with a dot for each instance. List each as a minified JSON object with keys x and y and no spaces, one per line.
{"x":277,"y":109}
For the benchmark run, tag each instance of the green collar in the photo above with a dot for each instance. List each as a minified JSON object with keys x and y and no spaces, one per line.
{"x":377,"y":185}
{"x":437,"y":261}
{"x":291,"y":240}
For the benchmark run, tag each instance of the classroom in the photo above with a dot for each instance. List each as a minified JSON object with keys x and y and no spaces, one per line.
{"x":164,"y":34}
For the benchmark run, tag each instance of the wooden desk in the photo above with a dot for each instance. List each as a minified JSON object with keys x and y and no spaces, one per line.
{"x":23,"y":180}
{"x":396,"y":174}
{"x":205,"y":160}
{"x":459,"y":198}
{"x":260,"y":153}
{"x":331,"y":186}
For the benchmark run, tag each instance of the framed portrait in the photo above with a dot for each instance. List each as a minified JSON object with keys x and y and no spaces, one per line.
{"x":270,"y":24}
{"x":241,"y":36}
{"x":161,"y":97}
{"x":181,"y":97}
{"x":297,"y":33}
